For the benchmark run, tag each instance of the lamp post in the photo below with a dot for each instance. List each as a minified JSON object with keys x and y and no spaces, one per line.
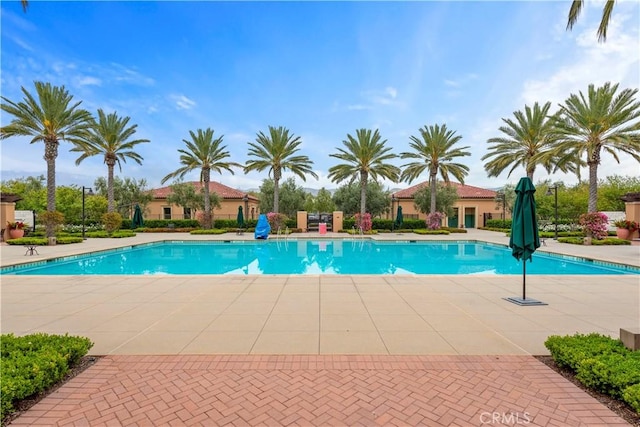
{"x":85,"y":190}
{"x":393,"y":200}
{"x":555,"y":225}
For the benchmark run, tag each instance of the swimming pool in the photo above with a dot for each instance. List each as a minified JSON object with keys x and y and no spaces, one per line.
{"x":313,"y":257}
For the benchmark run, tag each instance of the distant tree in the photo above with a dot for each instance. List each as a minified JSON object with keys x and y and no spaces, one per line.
{"x":347,"y":199}
{"x":185,"y":195}
{"x":435,"y":152}
{"x":206,"y":154}
{"x":292,"y":197}
{"x":110,"y":137}
{"x":50,"y":116}
{"x":31,"y":189}
{"x":365,"y":156}
{"x":309,"y":203}
{"x":611,"y":190}
{"x":324,"y":201}
{"x":607,"y":11}
{"x":604,"y":120}
{"x":446,"y":198}
{"x":276,"y":152}
{"x":127,"y":193}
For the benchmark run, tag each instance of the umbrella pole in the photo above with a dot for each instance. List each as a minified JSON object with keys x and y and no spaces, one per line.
{"x":524,"y":279}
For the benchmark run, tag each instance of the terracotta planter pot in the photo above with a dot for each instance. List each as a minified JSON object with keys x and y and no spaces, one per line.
{"x":623,"y":233}
{"x":16,"y":234}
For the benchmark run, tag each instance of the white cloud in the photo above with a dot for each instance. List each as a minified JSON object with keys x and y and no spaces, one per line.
{"x":89,"y":81}
{"x":182,"y":102}
{"x":616,"y":61}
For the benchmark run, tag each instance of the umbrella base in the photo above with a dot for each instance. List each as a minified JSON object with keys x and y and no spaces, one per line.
{"x":524,"y":301}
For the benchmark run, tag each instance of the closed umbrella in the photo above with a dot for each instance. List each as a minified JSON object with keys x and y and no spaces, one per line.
{"x":524,"y":234}
{"x":137,"y":220}
{"x":399,"y":219}
{"x":240,"y":219}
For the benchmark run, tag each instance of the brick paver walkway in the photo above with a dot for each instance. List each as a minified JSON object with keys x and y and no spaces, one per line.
{"x":283,"y":390}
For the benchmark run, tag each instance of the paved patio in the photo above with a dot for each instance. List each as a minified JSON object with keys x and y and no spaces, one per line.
{"x":278,"y":345}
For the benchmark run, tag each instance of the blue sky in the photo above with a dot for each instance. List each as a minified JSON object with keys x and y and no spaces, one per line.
{"x":321,"y":69}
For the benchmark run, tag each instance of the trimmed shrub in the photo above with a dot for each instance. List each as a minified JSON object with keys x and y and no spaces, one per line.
{"x":424,"y":231}
{"x":631,"y":395}
{"x":32,"y":363}
{"x":112,"y":222}
{"x":39,"y":241}
{"x":569,"y":351}
{"x":116,"y":234}
{"x":502,"y":224}
{"x":604,"y":242}
{"x":610,"y":373}
{"x":210,"y":231}
{"x":171,"y":223}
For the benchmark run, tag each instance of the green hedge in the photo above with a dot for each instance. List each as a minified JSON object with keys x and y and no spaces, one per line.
{"x":604,"y":242}
{"x":385,"y":224}
{"x":39,"y":241}
{"x":212,"y":231}
{"x":164,"y":223}
{"x":424,"y":231}
{"x":499,"y":224}
{"x":601,"y":363}
{"x":116,"y":235}
{"x":32,"y":363}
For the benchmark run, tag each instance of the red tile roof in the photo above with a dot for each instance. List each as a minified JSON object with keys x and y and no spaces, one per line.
{"x":214,"y":187}
{"x":464,"y":191}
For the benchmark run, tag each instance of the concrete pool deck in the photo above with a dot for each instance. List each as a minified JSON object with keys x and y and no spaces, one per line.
{"x":304,"y":325}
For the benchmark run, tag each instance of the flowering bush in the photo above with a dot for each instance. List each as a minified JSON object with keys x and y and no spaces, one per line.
{"x":18,"y":225}
{"x":595,"y":224}
{"x":627,"y":224}
{"x":276,"y":220}
{"x":364,"y":222}
{"x":434,"y":220}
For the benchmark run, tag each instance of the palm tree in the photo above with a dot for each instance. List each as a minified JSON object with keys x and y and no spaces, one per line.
{"x":527,"y":139}
{"x":435,"y":151}
{"x":275,"y":152}
{"x":576,"y":8}
{"x":603,"y":120}
{"x":110,"y":137}
{"x":50,"y":116}
{"x":204,"y":153}
{"x":365,"y":157}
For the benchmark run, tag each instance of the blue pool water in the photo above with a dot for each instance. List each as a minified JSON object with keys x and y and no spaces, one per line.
{"x":314,"y":257}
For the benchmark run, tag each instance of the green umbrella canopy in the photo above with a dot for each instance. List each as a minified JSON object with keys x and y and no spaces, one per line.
{"x":524,"y":226}
{"x":399,"y":219}
{"x":137,"y":220}
{"x":240,"y":218}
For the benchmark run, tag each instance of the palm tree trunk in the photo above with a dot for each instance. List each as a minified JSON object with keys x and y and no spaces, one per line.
{"x":276,"y":195}
{"x":277,"y":174}
{"x":206,"y":176}
{"x":364,"y":177}
{"x":110,"y":196}
{"x":433,"y":187}
{"x":593,"y":187}
{"x":50,"y":155}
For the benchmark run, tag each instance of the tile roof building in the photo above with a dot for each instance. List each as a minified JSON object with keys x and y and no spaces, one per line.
{"x":474,"y":207}
{"x":230,"y":199}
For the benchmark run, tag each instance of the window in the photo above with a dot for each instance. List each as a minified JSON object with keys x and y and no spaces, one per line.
{"x":187,"y":213}
{"x":166,"y":212}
